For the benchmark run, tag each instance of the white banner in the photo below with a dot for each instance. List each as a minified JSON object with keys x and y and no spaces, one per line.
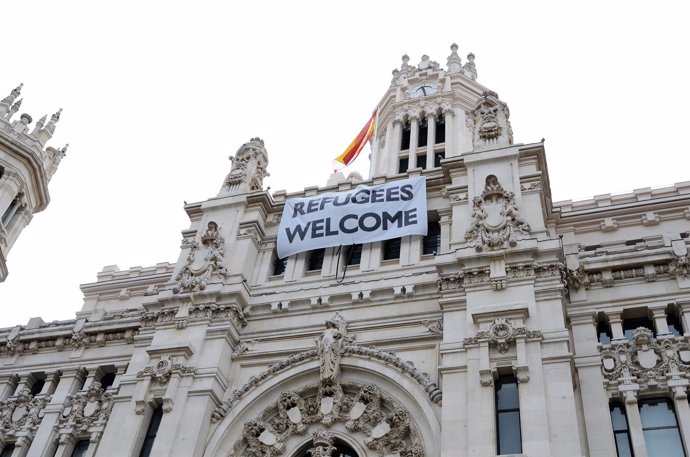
{"x":362,"y":215}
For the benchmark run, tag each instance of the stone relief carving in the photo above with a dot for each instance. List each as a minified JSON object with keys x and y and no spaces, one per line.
{"x":323,"y":442}
{"x":646,"y":363}
{"x":489,"y":121}
{"x":197,"y":273}
{"x":76,"y":340}
{"x":330,"y":347}
{"x":22,"y":413}
{"x":384,"y":425}
{"x":84,"y":410}
{"x":496,"y":221}
{"x":195,"y":313}
{"x":164,"y":368}
{"x":248,"y":168}
{"x":434,"y":325}
{"x":579,"y":278}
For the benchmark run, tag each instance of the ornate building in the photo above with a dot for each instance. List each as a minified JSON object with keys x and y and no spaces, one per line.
{"x":26,"y":167}
{"x":515,"y":326}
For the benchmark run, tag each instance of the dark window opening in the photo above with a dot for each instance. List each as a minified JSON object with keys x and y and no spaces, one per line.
{"x":7,"y":450}
{"x":620,"y":430}
{"x":509,"y":437}
{"x":440,"y":130}
{"x":675,"y":325}
{"x":354,"y":254}
{"x":604,"y":331}
{"x":9,"y":212}
{"x":279,"y":265}
{"x":151,"y":432}
{"x":316,"y":259}
{"x":634,"y":242}
{"x":403,"y":165}
{"x":421,"y":161}
{"x":405,"y":140}
{"x":391,"y":249}
{"x":423,"y":133}
{"x":37,"y":386}
{"x":660,"y":428}
{"x":431,"y":243}
{"x":80,"y":448}
{"x":630,"y":325}
{"x":593,"y":247}
{"x":107,"y":380}
{"x":438,"y":156}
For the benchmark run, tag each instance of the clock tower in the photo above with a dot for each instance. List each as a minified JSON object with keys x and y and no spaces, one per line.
{"x":430,"y":113}
{"x":26,"y":167}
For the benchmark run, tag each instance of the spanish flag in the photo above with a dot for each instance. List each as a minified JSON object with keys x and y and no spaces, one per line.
{"x":353,"y":150}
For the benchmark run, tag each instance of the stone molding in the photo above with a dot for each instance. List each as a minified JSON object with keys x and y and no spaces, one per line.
{"x":77,"y":340}
{"x":181,"y":316}
{"x":482,"y":275}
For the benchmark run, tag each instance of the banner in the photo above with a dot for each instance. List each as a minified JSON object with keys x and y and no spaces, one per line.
{"x":362,"y":215}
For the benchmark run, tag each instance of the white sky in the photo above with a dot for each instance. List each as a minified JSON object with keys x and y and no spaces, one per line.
{"x":157,"y":95}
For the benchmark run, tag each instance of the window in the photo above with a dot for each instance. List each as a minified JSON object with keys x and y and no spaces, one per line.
{"x":440,"y":130}
{"x":151,"y":432}
{"x":403,"y":165}
{"x":620,"y":430}
{"x":675,"y":326}
{"x":107,"y":380}
{"x":421,"y":161}
{"x":391,"y":249}
{"x":509,"y":438}
{"x":660,"y":428}
{"x":438,"y":156}
{"x":316,"y":259}
{"x":604,"y":330}
{"x":423,"y":133}
{"x":80,"y":448}
{"x":405,"y":141}
{"x":354,"y":254}
{"x":431,"y":243}
{"x":7,"y":450}
{"x":629,"y":326}
{"x":279,"y":265}
{"x":37,"y":386}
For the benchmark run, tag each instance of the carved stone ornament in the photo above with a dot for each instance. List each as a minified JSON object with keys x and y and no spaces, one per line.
{"x":490,"y":120}
{"x":195,"y":313}
{"x":84,"y":410}
{"x":496,"y":222}
{"x":647,"y":363}
{"x":164,"y":368}
{"x":248,"y":168}
{"x":381,"y":424}
{"x":502,"y":334}
{"x":22,"y":413}
{"x":198,"y":271}
{"x":331,"y":346}
{"x":434,"y":325}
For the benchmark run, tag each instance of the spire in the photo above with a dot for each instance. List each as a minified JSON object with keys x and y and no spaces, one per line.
{"x":470,"y":68}
{"x":6,"y":102}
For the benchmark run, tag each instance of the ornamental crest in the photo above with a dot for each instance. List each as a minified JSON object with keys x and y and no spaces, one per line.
{"x":248,"y":168}
{"x":203,"y":262}
{"x":496,"y":222}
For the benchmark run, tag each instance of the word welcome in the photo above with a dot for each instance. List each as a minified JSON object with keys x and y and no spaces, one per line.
{"x":364,"y":215}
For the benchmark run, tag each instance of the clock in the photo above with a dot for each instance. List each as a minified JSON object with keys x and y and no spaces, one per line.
{"x":423,"y":90}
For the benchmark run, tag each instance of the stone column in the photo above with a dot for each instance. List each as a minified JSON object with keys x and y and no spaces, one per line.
{"x":444,"y":223}
{"x":410,"y":250}
{"x":430,"y":139}
{"x":616,"y":323}
{"x":448,"y":113}
{"x":9,"y":187}
{"x":44,"y":441}
{"x":395,"y":149}
{"x":635,"y":425}
{"x":454,"y":414}
{"x":481,"y":429}
{"x":595,"y":402}
{"x":414,"y":138}
{"x":21,"y":446}
{"x":8,"y":385}
{"x":66,"y":446}
{"x":680,"y":403}
{"x":534,"y":422}
{"x":659,"y":315}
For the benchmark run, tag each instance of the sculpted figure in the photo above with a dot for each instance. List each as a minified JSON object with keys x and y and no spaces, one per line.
{"x":330,"y":344}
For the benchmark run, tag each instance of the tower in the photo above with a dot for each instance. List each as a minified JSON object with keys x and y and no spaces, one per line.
{"x":26,"y":167}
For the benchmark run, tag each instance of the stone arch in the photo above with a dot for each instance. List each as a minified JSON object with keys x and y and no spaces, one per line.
{"x":398,"y":392}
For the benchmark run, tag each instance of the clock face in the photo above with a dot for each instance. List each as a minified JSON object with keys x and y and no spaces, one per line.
{"x":424,"y":90}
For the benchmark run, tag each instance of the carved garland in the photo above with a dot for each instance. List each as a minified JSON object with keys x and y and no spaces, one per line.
{"x":85,"y":412}
{"x":22,"y":413}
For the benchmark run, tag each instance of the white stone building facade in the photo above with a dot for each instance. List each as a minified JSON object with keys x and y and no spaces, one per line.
{"x":516,"y":326}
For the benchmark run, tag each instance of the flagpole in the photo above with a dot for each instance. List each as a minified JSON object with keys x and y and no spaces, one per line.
{"x":374,"y":146}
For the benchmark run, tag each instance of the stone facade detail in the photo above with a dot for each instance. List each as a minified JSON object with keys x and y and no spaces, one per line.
{"x":489,"y":121}
{"x":646,"y":364}
{"x":164,"y":368}
{"x":496,"y":222}
{"x":248,"y":168}
{"x":197,"y":273}
{"x":22,"y":414}
{"x":85,"y":412}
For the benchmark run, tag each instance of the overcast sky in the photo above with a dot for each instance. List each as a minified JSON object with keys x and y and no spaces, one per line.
{"x":157,"y":95}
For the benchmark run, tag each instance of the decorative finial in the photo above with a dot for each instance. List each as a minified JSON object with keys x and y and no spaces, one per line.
{"x":56,"y":117}
{"x":470,"y":68}
{"x":64,"y":149}
{"x":454,"y":61}
{"x":13,"y":95}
